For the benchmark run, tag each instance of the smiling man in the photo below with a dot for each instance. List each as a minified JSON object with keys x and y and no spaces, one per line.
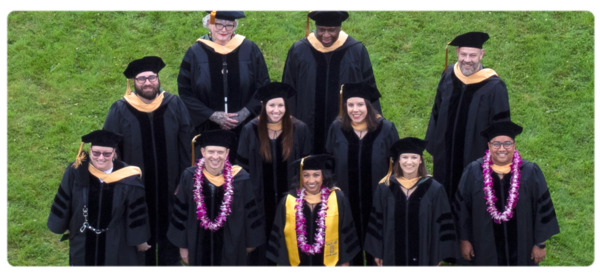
{"x":216,"y":221}
{"x":156,"y":130}
{"x":503,"y":207}
{"x":318,"y":65}
{"x":469,"y":98}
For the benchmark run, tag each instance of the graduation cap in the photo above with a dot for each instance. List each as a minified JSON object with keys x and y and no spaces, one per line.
{"x":314,"y":162}
{"x":102,"y":138}
{"x":274,"y":90}
{"x":219,"y":137}
{"x":406,"y":145}
{"x":469,"y":39}
{"x":148,"y":63}
{"x":225,"y":15}
{"x":362,"y":90}
{"x":506,"y":128}
{"x":326,"y":18}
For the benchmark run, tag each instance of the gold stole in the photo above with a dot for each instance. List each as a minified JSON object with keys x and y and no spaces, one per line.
{"x":331,"y":247}
{"x":312,"y":39}
{"x":219,"y":180}
{"x":275,"y":126}
{"x":501,"y":169}
{"x":475,"y":78}
{"x":407,"y":183}
{"x":115,"y":176}
{"x":139,"y":105}
{"x":233,"y":44}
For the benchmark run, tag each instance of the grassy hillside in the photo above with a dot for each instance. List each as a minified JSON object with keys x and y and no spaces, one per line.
{"x":65,"y":70}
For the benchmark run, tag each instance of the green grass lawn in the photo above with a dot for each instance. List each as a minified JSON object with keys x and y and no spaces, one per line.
{"x":65,"y":70}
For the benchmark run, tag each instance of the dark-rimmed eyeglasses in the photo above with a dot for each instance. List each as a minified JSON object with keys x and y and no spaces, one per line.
{"x":142,"y":80}
{"x":506,"y":145}
{"x":228,"y":27}
{"x":105,"y":154}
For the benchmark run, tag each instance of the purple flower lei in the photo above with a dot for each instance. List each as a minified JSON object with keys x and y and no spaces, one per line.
{"x":513,"y":193}
{"x":199,"y":198}
{"x":301,"y":223}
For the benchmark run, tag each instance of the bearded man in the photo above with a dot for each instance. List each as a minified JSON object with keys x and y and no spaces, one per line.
{"x":469,"y":98}
{"x":156,"y":130}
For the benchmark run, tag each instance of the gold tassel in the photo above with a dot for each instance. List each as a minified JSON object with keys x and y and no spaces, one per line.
{"x":193,"y":148}
{"x":213,"y":14}
{"x":446,"y":65}
{"x":80,"y":157}
{"x":300,"y":174}
{"x":128,"y":90}
{"x":307,"y":25}
{"x":386,"y":179}
{"x":341,"y":99}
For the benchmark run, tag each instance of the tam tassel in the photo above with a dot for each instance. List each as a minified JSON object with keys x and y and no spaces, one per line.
{"x":193,"y":148}
{"x":341,"y":99}
{"x":386,"y":179}
{"x":300,"y":174}
{"x":307,"y":25}
{"x":128,"y":90}
{"x":80,"y":157}
{"x":213,"y":14}
{"x":446,"y":64}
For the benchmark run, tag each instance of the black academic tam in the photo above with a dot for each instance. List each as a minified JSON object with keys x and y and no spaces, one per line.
{"x":117,"y":246}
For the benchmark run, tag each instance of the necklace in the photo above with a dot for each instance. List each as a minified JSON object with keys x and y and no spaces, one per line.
{"x":205,"y":222}
{"x":513,"y":192}
{"x":301,"y":223}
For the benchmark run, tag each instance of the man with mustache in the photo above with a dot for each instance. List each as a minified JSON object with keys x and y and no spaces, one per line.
{"x":469,"y":98}
{"x":156,"y":130}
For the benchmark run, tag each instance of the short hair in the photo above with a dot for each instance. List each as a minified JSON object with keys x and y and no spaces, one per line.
{"x":206,"y":22}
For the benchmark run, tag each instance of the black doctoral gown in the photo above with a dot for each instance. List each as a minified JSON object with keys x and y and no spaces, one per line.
{"x":508,"y":243}
{"x":117,"y":246}
{"x":226,"y":246}
{"x":414,"y":231}
{"x":349,"y":246}
{"x":317,"y":78}
{"x":270,"y":180}
{"x":159,"y":144}
{"x":459,"y":114}
{"x":201,"y":85}
{"x":359,"y":166}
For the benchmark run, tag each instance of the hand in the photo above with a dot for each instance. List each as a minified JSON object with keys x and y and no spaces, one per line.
{"x":345,"y":264}
{"x":248,"y":250}
{"x":143,"y":247}
{"x":466,"y":249}
{"x":379,"y":262}
{"x":242,"y":115}
{"x":440,"y":263}
{"x":183,"y":252}
{"x":225,"y":120}
{"x":538,"y":254}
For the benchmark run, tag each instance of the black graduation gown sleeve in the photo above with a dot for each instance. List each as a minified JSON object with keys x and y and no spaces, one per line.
{"x":60,"y":213}
{"x":244,"y":146}
{"x":368,"y":76}
{"x":136,"y":215}
{"x":433,"y":117}
{"x":276,"y":247}
{"x":374,"y":241}
{"x":254,"y":226}
{"x":199,"y":112}
{"x":348,"y":238}
{"x":177,"y":232}
{"x":545,"y":222}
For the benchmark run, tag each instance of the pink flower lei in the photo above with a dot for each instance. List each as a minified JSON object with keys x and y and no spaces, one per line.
{"x":301,"y":223}
{"x":488,"y":189}
{"x":199,"y":198}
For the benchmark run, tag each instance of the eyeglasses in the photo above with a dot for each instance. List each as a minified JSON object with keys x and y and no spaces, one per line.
{"x":142,"y":80}
{"x":220,"y":26}
{"x":506,"y":145}
{"x":106,"y":155}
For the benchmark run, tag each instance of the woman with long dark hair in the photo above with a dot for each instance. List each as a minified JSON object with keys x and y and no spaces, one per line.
{"x":411,"y":222}
{"x":360,"y":140}
{"x":313,"y":225}
{"x":267,"y":145}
